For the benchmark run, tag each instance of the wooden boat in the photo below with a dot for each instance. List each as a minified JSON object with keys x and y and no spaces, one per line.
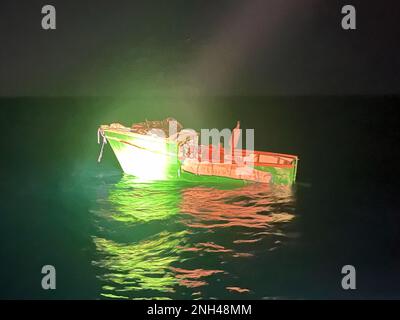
{"x":151,"y":157}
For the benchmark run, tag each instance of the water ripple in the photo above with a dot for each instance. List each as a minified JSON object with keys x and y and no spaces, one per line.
{"x":167,"y":241}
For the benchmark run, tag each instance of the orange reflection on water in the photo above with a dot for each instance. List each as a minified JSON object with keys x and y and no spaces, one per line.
{"x":237,"y":289}
{"x":212,"y":247}
{"x":252,"y":206}
{"x":207,"y":247}
{"x":189,"y":278}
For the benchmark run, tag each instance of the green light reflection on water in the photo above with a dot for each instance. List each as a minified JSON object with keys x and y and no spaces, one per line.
{"x":152,"y":235}
{"x":141,"y":266}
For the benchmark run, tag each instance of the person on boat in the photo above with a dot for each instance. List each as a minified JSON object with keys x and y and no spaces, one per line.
{"x":229,"y":150}
{"x":235,"y":137}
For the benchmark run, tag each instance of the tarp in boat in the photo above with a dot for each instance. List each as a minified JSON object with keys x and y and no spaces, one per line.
{"x":164,"y":125}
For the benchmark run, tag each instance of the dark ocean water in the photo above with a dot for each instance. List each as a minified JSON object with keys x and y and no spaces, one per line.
{"x":111,"y":237}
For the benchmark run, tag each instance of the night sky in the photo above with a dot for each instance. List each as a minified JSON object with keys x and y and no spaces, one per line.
{"x":270,"y":47}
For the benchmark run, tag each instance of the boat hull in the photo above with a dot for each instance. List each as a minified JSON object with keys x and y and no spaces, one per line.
{"x":143,"y":156}
{"x":154,"y":158}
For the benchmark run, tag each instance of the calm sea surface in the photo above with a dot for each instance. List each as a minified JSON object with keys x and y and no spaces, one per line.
{"x":110,"y":236}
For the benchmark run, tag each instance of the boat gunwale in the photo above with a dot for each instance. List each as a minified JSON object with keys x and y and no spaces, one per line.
{"x":136,"y":135}
{"x":255,"y":164}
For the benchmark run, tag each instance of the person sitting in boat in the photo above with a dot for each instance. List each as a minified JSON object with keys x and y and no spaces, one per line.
{"x":188,"y":142}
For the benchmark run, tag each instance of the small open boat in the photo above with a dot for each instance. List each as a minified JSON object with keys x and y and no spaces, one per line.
{"x":150,"y":156}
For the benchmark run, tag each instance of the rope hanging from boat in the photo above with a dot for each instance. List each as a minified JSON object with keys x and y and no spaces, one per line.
{"x":101,"y":133}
